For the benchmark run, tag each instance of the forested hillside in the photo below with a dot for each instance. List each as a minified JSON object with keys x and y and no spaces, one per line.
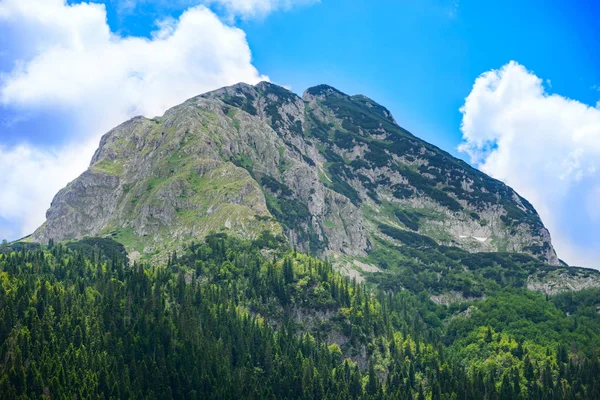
{"x":229,"y":318}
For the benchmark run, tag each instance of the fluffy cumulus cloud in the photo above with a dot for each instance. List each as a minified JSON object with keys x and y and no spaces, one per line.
{"x":79,"y":63}
{"x":65,"y":58}
{"x":547,"y":147}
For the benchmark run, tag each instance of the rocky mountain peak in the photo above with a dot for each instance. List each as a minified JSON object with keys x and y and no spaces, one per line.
{"x":333,"y":173}
{"x":322,"y":91}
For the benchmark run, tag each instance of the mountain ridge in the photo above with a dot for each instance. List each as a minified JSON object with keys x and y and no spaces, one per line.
{"x":329,"y":171}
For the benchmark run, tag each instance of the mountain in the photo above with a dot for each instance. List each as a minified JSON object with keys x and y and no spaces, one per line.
{"x":423,"y":279}
{"x":333,"y":173}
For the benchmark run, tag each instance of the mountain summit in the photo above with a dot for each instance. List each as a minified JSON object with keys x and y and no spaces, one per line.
{"x":335,"y":174}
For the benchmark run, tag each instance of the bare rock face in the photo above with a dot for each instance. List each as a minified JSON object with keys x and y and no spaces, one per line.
{"x":82,"y":208}
{"x":329,"y":171}
{"x":563,"y":280}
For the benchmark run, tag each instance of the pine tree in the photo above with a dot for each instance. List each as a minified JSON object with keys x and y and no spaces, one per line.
{"x":488,"y":336}
{"x":373,"y":382}
{"x":288,"y":271}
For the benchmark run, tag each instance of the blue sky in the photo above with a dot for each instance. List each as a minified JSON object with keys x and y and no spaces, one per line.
{"x":419,"y":59}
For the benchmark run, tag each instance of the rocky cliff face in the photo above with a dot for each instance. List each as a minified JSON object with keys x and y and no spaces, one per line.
{"x":334,"y":173}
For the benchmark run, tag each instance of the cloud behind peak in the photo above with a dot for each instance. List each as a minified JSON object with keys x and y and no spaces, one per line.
{"x":544,"y":145}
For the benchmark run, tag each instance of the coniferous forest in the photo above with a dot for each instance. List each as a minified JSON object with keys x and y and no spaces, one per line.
{"x":236,"y":319}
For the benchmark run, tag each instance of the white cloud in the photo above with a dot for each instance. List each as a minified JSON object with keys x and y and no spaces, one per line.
{"x":30,"y":177}
{"x":232,"y":8}
{"x":85,"y":66}
{"x":256,"y":8}
{"x":545,"y":146}
{"x":68,"y":60}
{"x":126,"y":6}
